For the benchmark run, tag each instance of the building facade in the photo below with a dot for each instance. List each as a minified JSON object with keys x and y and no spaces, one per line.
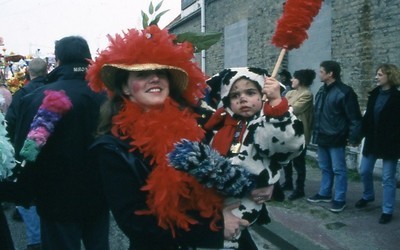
{"x":359,"y":34}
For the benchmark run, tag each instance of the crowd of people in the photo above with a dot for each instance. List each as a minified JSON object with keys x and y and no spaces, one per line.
{"x":135,"y":141}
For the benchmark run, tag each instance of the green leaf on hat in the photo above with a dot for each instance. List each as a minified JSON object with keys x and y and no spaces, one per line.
{"x":158,"y":6}
{"x":157,"y":18}
{"x":145,"y":20}
{"x":151,"y":8}
{"x":201,"y":41}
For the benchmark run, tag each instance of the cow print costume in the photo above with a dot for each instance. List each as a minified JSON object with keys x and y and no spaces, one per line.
{"x":268,"y":141}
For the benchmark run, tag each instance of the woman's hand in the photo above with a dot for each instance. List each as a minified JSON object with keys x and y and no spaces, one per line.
{"x":232,"y":224}
{"x":261,"y":195}
{"x":272,"y":90}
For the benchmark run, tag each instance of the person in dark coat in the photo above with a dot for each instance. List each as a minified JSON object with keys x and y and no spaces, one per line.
{"x":153,"y":85}
{"x":37,"y":71}
{"x":381,"y":129}
{"x":337,"y":123}
{"x":67,"y":190}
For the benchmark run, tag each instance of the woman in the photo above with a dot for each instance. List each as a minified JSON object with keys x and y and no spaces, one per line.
{"x":301,"y":100}
{"x":152,"y":83}
{"x":381,"y":128}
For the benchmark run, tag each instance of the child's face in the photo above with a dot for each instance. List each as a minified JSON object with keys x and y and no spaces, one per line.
{"x":245,"y":98}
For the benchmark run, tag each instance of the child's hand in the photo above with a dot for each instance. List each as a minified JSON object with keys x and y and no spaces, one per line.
{"x":272,"y":91}
{"x":261,"y":195}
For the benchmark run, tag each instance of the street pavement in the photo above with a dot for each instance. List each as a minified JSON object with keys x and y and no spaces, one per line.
{"x":299,"y":224}
{"x":302,"y":225}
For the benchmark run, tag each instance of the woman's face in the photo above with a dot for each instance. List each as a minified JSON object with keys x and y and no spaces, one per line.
{"x":245,"y":98}
{"x":149,"y":88}
{"x":295,"y":83}
{"x":381,"y":79}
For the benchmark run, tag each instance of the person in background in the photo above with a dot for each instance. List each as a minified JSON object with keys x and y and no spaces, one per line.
{"x":337,"y":123}
{"x":6,"y":241}
{"x":301,"y":100}
{"x":67,"y":190}
{"x":381,"y":129}
{"x":285,"y":78}
{"x":7,"y":98}
{"x":37,"y":70}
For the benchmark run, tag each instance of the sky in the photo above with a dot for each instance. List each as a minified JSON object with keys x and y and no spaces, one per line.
{"x":29,"y":26}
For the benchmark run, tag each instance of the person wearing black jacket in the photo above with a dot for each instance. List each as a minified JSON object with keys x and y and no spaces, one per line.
{"x":337,"y":123}
{"x":381,"y":129}
{"x":37,"y":71}
{"x":66,"y":189}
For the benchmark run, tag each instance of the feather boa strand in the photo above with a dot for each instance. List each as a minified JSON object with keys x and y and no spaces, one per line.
{"x":171,"y":193}
{"x":7,"y":160}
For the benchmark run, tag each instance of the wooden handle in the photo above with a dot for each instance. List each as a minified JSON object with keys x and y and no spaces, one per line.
{"x":276,"y":68}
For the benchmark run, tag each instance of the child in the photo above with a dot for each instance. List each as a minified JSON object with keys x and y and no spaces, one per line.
{"x":254,"y":135}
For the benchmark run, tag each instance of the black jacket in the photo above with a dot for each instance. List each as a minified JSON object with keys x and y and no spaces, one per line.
{"x":337,"y":116}
{"x":63,"y":184}
{"x":382,"y":139}
{"x":123,"y":175}
{"x":12,"y":114}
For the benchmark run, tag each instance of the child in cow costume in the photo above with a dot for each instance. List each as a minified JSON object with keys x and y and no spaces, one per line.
{"x":255,"y":136}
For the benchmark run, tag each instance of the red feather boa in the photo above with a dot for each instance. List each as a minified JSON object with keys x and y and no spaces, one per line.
{"x":171,"y":193}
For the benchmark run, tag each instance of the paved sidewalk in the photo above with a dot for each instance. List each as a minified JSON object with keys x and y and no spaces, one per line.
{"x":303,"y":225}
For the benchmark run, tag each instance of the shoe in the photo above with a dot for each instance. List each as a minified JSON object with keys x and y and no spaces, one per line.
{"x":363,"y":203}
{"x":319,"y":198}
{"x":287,"y":186}
{"x":296,"y":195}
{"x":337,"y":206}
{"x":385,"y":218}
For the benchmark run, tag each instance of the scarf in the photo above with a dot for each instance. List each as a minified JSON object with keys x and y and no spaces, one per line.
{"x":172,"y":194}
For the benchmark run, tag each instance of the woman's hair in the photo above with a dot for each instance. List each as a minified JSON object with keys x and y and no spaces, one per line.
{"x":305,"y":76}
{"x":392,"y":72}
{"x":114,"y":104}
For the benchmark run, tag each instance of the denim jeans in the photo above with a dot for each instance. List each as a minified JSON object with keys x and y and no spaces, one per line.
{"x":32,"y":224}
{"x":388,"y":181}
{"x":332,"y":163}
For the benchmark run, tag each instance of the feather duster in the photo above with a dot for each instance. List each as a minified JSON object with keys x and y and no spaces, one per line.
{"x":7,"y":160}
{"x":291,"y":29}
{"x":55,"y":104}
{"x":211,"y":169}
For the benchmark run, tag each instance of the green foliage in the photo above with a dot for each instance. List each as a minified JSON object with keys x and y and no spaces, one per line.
{"x":201,"y":41}
{"x":153,"y":17}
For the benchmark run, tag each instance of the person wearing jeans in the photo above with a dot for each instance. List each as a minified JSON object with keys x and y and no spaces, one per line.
{"x":337,"y":123}
{"x":32,"y":225}
{"x":332,"y":162}
{"x":381,"y":128}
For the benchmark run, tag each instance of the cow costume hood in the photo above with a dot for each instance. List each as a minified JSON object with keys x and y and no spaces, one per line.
{"x":222,"y":82}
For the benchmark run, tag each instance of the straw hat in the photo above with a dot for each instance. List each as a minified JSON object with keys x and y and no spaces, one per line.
{"x":179,"y":77}
{"x":149,"y":49}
